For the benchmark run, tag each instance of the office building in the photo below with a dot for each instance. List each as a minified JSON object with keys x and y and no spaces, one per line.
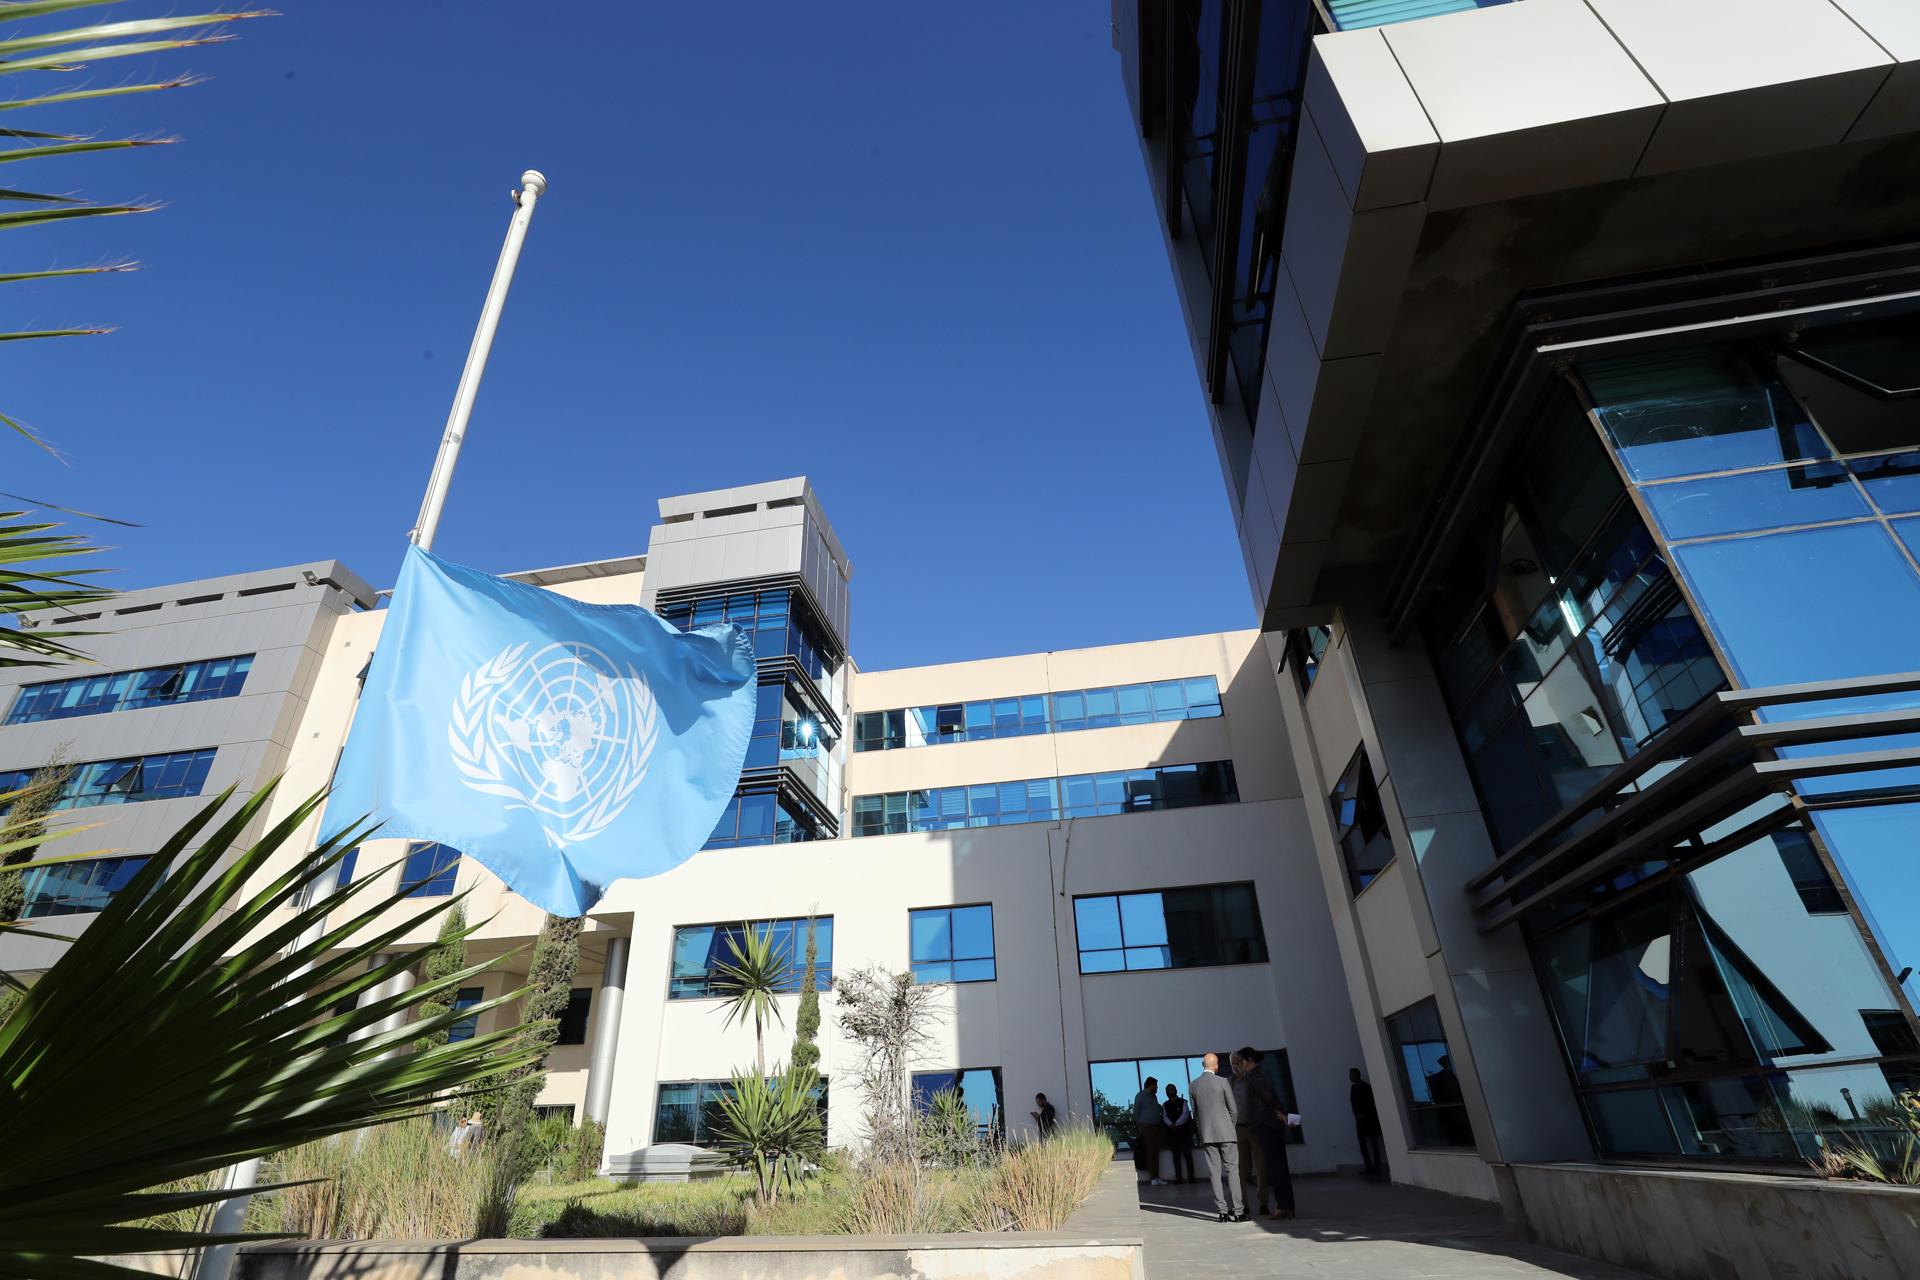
{"x":1561,"y":359}
{"x":1096,"y":858}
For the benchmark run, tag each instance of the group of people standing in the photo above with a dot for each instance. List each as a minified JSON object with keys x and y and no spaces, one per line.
{"x":1239,"y":1123}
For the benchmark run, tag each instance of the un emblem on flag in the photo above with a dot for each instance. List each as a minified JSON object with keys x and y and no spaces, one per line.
{"x":563,"y":732}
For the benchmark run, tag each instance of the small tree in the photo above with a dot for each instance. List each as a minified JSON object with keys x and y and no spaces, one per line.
{"x":769,"y":1127}
{"x":556,"y":959}
{"x":448,"y":955}
{"x":891,"y":1018}
{"x":759,"y":971}
{"x":25,"y":827}
{"x":806,"y":1020}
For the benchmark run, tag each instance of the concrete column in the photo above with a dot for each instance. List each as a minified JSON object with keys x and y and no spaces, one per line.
{"x":371,"y":994}
{"x":606,"y":1030}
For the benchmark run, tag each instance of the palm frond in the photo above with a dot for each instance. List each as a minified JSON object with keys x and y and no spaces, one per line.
{"x":84,"y":95}
{"x":241,"y":1022}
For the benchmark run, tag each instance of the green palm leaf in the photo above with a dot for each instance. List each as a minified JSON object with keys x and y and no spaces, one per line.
{"x":238,"y":1019}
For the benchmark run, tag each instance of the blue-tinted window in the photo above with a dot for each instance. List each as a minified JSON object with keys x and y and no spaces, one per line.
{"x":1696,"y":411}
{"x":952,"y":944}
{"x":70,"y":888}
{"x":778,"y":627}
{"x":1701,"y":508}
{"x":92,"y":695}
{"x":1360,"y":824}
{"x":756,"y":818}
{"x":689,"y":1111}
{"x":1185,"y":928}
{"x":700,"y":949}
{"x":1429,"y":1084}
{"x":429,"y":870}
{"x":466,"y":999}
{"x":1352,"y":15}
{"x":1190,"y":698}
{"x":1117,"y":1082}
{"x":1044,"y":799}
{"x":168,"y":776}
{"x":976,"y":1088}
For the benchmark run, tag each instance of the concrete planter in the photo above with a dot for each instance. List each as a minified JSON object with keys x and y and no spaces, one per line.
{"x":1699,"y":1225}
{"x":1101,"y":1242}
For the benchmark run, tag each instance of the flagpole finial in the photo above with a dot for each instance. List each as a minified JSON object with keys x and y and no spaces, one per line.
{"x":534,"y":181}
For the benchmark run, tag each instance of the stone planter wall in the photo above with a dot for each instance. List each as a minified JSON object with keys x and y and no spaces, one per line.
{"x":1699,"y":1225}
{"x":1101,"y":1242}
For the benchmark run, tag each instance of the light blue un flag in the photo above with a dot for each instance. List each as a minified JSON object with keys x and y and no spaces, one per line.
{"x":560,"y":745}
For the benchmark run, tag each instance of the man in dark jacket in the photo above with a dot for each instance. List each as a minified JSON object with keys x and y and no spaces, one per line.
{"x":1269,"y":1127}
{"x":1366,"y":1124}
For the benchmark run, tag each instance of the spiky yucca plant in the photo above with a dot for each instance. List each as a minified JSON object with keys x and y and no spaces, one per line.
{"x":194,"y":1025}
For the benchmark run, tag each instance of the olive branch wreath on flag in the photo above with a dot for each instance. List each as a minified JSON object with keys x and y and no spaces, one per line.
{"x":480,"y":764}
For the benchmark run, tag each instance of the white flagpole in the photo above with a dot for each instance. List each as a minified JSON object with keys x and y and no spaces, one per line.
{"x":216,"y":1261}
{"x":533,"y":183}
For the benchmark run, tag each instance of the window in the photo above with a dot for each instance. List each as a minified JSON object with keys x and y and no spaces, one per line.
{"x":1428,"y":1083}
{"x":781,"y":623}
{"x":1117,"y":1082}
{"x":1818,"y":893}
{"x":757,"y":818}
{"x":1892,"y":1034}
{"x":71,"y":888}
{"x":466,"y":999}
{"x":130,"y":690}
{"x":429,"y":870}
{"x":1359,"y":823}
{"x":952,"y":944}
{"x":1305,"y":646}
{"x":551,"y":1111}
{"x":345,"y":867}
{"x":1087,"y":795}
{"x":573,"y":1019}
{"x":978,"y":1088}
{"x":1169,"y":929}
{"x":700,"y":949}
{"x":689,"y":1111}
{"x":169,"y":776}
{"x":1186,"y":698}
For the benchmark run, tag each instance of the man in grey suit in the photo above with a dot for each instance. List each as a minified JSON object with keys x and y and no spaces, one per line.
{"x":1214,"y":1115}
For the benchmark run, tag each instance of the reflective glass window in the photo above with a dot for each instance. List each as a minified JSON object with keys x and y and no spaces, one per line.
{"x":1183,"y":928}
{"x":1755,"y":500}
{"x":466,"y":998}
{"x":1041,"y":799}
{"x":170,"y":775}
{"x":1694,"y":411}
{"x":1191,"y":698}
{"x":72,"y":888}
{"x":89,"y":695}
{"x":1852,"y":578}
{"x":952,"y":944}
{"x":573,"y":1018}
{"x":1430,"y":1086}
{"x":429,"y":870}
{"x":1892,"y":481}
{"x":975,"y":1088}
{"x":700,"y":950}
{"x":689,"y":1111}
{"x":1117,"y":1082}
{"x":1360,"y":823}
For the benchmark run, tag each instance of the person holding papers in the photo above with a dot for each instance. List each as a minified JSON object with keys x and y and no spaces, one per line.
{"x":1269,"y":1120}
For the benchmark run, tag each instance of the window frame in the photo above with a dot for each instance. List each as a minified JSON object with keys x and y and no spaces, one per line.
{"x":951,"y":960}
{"x":1411,"y":1107}
{"x":1263,"y":956}
{"x":822,"y":969}
{"x":1304,"y":657}
{"x":1366,"y":788}
{"x":438,"y":883}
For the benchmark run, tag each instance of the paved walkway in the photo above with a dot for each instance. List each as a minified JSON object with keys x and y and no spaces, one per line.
{"x":1347,"y":1229}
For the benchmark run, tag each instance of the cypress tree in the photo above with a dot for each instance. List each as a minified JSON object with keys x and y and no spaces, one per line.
{"x":556,"y":959}
{"x":806,"y":1021}
{"x":448,"y":955}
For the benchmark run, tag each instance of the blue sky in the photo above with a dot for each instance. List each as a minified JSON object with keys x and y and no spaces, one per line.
{"x":908,"y":252}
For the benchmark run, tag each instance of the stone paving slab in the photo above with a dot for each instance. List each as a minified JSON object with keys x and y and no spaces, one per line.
{"x":1348,"y":1229}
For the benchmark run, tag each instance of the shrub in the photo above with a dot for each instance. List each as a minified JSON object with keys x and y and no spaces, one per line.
{"x":1038,"y":1186}
{"x":395,"y":1182}
{"x":1896,"y":1162}
{"x":771,"y":1127}
{"x":583,"y":1155}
